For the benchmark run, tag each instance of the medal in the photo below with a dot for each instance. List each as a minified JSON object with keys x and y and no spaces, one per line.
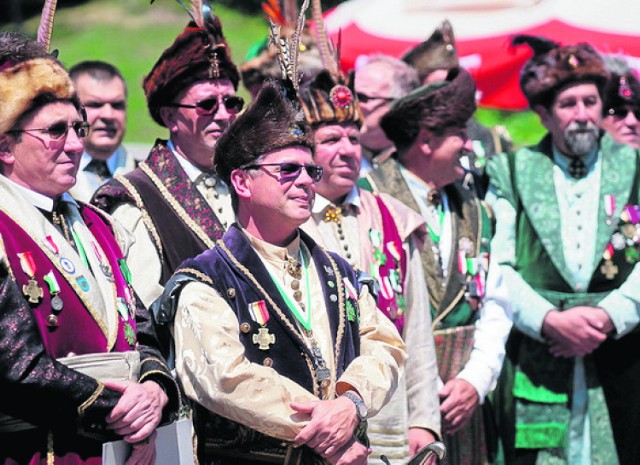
{"x":609,"y":270}
{"x":104,"y":265}
{"x":263,"y":339}
{"x":130,"y":334}
{"x":31,"y":290}
{"x":609,"y":207}
{"x":52,"y":321}
{"x":56,"y":303}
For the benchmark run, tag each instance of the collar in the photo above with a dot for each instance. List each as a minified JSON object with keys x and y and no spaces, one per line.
{"x":112,"y":161}
{"x":192,"y":170}
{"x":271,"y":253}
{"x":38,"y":200}
{"x":563,"y":160}
{"x":352,"y":200}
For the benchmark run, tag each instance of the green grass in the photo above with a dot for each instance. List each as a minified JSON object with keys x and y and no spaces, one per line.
{"x":132,"y":34}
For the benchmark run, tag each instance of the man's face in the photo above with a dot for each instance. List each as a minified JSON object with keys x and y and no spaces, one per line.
{"x":444,"y":152}
{"x":195,"y":134}
{"x":373,"y":87}
{"x":623,"y":123}
{"x":338,"y":151}
{"x":33,"y":159}
{"x":106,"y":106}
{"x":284,"y":202}
{"x":574,"y":119}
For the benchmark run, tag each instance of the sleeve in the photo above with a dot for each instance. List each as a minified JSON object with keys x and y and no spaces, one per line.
{"x":492,"y":330}
{"x":623,"y":304}
{"x":215,"y":373}
{"x":374,"y":374}
{"x":35,"y":387}
{"x":142,"y":257}
{"x":421,"y":368}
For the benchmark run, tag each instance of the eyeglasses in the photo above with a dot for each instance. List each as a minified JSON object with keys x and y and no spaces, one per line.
{"x":364,"y":98}
{"x":232,"y":103}
{"x":290,"y":171}
{"x":60,"y":130}
{"x":622,"y":112}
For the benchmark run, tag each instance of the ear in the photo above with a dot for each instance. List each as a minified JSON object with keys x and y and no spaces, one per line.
{"x":168,"y":117}
{"x":6,"y":156}
{"x":425,"y":141}
{"x":545,"y":117}
{"x":241,"y":183}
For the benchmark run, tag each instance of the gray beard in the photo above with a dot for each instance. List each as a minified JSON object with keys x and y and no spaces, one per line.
{"x":581,"y":143}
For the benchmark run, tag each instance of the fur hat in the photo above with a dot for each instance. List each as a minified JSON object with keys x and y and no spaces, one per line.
{"x":437,"y":52}
{"x":553,"y":67}
{"x":22,"y":83}
{"x":326,"y":100}
{"x":271,"y":122}
{"x":623,"y":87}
{"x":435,"y":106}
{"x":196,"y":55}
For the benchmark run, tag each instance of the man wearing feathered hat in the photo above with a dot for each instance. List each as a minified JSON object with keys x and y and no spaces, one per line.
{"x":433,"y":58}
{"x":621,"y":109}
{"x":380,"y":235}
{"x":69,"y":320}
{"x":468,"y":305}
{"x":277,"y":341}
{"x":567,"y":241}
{"x":174,"y":203}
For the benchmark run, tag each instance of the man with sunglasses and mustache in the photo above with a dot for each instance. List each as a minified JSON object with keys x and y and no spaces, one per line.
{"x":621,"y":109}
{"x":79,"y":359}
{"x":174,"y":203}
{"x":567,"y":242}
{"x":277,"y":340}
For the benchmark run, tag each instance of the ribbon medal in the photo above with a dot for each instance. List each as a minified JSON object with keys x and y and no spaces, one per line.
{"x":31,"y":290}
{"x":259,"y":313}
{"x":56,"y":301}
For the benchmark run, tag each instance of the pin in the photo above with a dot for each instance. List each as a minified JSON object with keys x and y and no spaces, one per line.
{"x":52,"y":321}
{"x":609,"y":270}
{"x":32,"y":291}
{"x":263,"y":339}
{"x":67,"y":265}
{"x":83,"y":283}
{"x":130,"y":334}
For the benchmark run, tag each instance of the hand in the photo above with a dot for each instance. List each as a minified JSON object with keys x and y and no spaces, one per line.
{"x":139,"y":410}
{"x":577,"y":331}
{"x":418,"y":438}
{"x":458,"y":401}
{"x":331,"y":425}
{"x":352,"y":453}
{"x":144,"y":452}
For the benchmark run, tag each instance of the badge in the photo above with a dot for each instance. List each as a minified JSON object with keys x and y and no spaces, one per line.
{"x":33,"y":291}
{"x":56,"y":303}
{"x":83,"y":283}
{"x":609,"y":269}
{"x":52,"y":321}
{"x":465,"y":244}
{"x":67,"y":265}
{"x":130,"y":334}
{"x":328,"y":270}
{"x":263,"y":339}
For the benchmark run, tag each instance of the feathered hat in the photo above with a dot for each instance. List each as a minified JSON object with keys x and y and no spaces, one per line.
{"x":329,"y":97}
{"x":29,"y":73}
{"x":437,"y":52}
{"x":199,"y":53}
{"x":435,"y":106}
{"x":262,"y":63}
{"x":623,"y":87}
{"x":273,"y":120}
{"x":553,"y":67}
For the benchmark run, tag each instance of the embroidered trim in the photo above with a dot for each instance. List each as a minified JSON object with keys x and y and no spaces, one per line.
{"x":146,"y":219}
{"x":155,"y":359}
{"x":92,"y":398}
{"x":4,"y":259}
{"x":197,"y":273}
{"x":51,"y":456}
{"x":176,"y":206}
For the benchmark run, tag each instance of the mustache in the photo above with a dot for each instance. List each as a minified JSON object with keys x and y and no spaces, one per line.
{"x":582,"y":127}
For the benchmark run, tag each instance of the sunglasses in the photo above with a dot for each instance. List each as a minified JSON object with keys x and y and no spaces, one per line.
{"x":60,"y":130}
{"x":290,"y":171}
{"x":622,"y":112}
{"x":232,"y":103}
{"x":364,"y":98}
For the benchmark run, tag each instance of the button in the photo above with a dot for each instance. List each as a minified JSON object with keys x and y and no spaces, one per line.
{"x":268,"y":362}
{"x":324,"y":384}
{"x":245,"y":327}
{"x":231,"y":293}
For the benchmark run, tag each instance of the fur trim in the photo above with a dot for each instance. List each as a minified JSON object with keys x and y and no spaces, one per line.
{"x":553,"y":67}
{"x":191,"y":58}
{"x":437,"y":52}
{"x":436,"y":106}
{"x":271,"y":122}
{"x":321,"y":103}
{"x":22,"y":83}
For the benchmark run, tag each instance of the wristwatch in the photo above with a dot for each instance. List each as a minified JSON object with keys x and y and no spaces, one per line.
{"x":361,"y":409}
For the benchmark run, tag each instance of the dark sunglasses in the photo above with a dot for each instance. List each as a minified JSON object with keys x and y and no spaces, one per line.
{"x":364,"y":98}
{"x":60,"y":130}
{"x":232,"y":103}
{"x":290,"y":171}
{"x":622,"y":112}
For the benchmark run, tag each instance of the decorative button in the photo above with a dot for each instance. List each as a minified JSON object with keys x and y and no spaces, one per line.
{"x":324,"y":384}
{"x":245,"y":327}
{"x":268,"y":362}
{"x":231,"y":293}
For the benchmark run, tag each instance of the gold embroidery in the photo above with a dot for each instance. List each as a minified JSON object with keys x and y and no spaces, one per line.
{"x":51,"y":456}
{"x":92,"y":398}
{"x":197,"y":273}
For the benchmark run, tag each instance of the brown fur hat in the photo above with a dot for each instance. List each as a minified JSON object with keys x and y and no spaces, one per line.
{"x":324,"y":100}
{"x":553,"y":67}
{"x":435,"y":106}
{"x":623,"y":87}
{"x":191,"y":58}
{"x":22,"y":83}
{"x":271,"y":122}
{"x":437,"y":52}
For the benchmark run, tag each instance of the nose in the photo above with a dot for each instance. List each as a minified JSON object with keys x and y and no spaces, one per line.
{"x":304,"y":179}
{"x":467,"y":144}
{"x":221,"y":112}
{"x":73,"y":143}
{"x":630,"y":119}
{"x":582,"y":113}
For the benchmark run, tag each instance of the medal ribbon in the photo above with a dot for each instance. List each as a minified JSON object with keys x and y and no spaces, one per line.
{"x":27,"y":264}
{"x":304,"y":317}
{"x":608,"y":252}
{"x":50,"y":279}
{"x":259,"y":312}
{"x":52,"y":245}
{"x":609,"y":205}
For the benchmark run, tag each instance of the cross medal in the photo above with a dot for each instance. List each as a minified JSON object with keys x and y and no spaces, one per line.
{"x":263,"y":338}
